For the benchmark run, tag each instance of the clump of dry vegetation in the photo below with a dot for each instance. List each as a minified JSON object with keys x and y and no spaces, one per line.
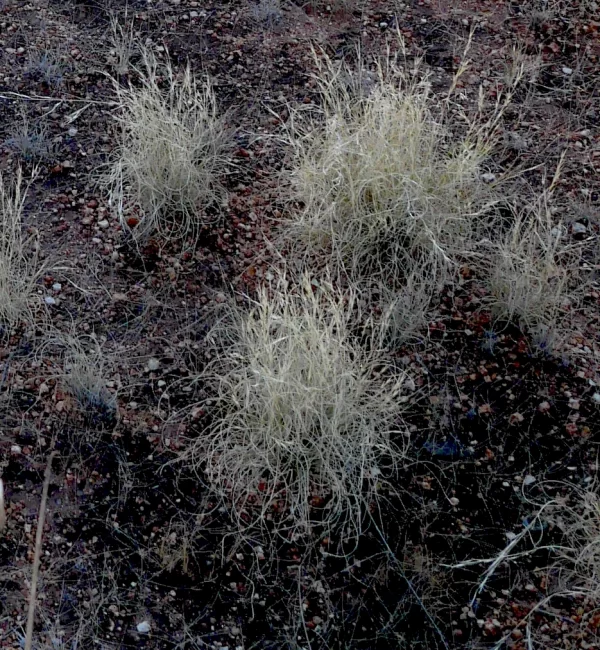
{"x":20,"y":266}
{"x":386,"y":188}
{"x":299,"y":412}
{"x":172,"y":153}
{"x":527,"y":282}
{"x":85,"y":375}
{"x":576,"y":570}
{"x":531,"y":270}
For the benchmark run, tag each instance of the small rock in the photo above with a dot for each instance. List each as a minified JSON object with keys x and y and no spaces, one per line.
{"x":596,"y":398}
{"x":15,"y":449}
{"x":49,"y":300}
{"x":103,"y":224}
{"x":529,"y":479}
{"x":544,"y":407}
{"x":454,"y":501}
{"x":120,"y":297}
{"x":153,"y":364}
{"x":220,"y":298}
{"x":578,"y":228}
{"x":567,"y":71}
{"x":488,"y":177}
{"x":143,"y":627}
{"x":516,"y":418}
{"x":574,"y":404}
{"x":57,"y":286}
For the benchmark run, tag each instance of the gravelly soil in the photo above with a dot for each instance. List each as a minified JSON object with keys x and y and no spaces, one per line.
{"x":131,"y":537}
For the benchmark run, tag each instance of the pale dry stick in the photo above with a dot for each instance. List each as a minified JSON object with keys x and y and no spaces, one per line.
{"x":491,"y":560}
{"x":2,"y":509}
{"x":10,"y":95}
{"x":37,"y":554}
{"x":505,"y":554}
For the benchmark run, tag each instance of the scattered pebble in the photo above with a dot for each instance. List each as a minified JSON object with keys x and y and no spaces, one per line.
{"x":544,"y":407}
{"x":49,"y":300}
{"x":143,"y":627}
{"x":529,"y":479}
{"x":567,"y":71}
{"x":153,"y":364}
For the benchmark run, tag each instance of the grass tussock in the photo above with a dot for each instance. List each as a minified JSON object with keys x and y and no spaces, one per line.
{"x":173,"y":151}
{"x":85,"y":375}
{"x":526,"y":281}
{"x":576,"y":570}
{"x":384,"y":184}
{"x":532,"y":271}
{"x":20,"y":266}
{"x":303,"y":418}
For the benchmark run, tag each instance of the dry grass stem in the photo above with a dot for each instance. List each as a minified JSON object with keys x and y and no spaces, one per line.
{"x":37,"y":555}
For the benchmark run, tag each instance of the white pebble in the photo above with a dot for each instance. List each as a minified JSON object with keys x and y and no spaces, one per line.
{"x":143,"y":627}
{"x":153,"y":364}
{"x":528,"y":480}
{"x":567,"y":70}
{"x":57,"y":286}
{"x":49,"y":300}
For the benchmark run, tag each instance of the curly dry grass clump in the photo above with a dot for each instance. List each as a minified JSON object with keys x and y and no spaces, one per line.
{"x":531,"y":272}
{"x":576,"y":570}
{"x":20,"y":267}
{"x":86,"y":367}
{"x":172,"y":153}
{"x":301,"y":414}
{"x":384,"y":184}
